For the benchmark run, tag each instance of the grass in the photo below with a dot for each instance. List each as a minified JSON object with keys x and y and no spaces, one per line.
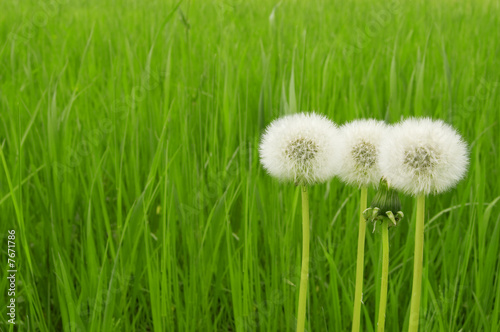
{"x":131,"y":175}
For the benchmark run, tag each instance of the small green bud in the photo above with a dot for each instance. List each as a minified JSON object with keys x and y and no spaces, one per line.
{"x":385,"y":204}
{"x":386,"y":199}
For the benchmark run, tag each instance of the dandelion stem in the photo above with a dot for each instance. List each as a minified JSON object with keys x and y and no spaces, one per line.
{"x":417,"y":265}
{"x":304,"y":272}
{"x":358,"y":293}
{"x":385,"y":277}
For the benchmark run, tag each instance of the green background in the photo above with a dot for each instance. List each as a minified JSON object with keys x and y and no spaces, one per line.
{"x":130,"y":167}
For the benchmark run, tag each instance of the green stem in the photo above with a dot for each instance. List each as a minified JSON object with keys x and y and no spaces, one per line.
{"x":304,"y":272}
{"x":417,"y":265}
{"x":385,"y":277}
{"x":358,"y":293}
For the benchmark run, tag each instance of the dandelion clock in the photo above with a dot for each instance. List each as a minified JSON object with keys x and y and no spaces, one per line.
{"x":301,"y":148}
{"x":422,"y":157}
{"x":359,"y":154}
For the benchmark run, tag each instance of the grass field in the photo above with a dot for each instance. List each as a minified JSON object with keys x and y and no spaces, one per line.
{"x":131,"y":176}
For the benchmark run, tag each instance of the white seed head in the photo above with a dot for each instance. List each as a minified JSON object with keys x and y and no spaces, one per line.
{"x":301,"y":148}
{"x":361,"y":141}
{"x":423,"y":156}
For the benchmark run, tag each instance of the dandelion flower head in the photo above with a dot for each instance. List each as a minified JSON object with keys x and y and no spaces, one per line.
{"x":361,"y":141}
{"x":423,"y":156}
{"x":301,"y":148}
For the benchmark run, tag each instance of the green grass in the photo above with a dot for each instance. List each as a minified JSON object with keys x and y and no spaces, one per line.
{"x":131,"y":173}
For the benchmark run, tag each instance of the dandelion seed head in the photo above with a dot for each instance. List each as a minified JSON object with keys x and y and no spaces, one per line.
{"x":300,"y":148}
{"x":421,"y":159}
{"x":423,"y":156}
{"x":361,"y":140}
{"x":364,"y":154}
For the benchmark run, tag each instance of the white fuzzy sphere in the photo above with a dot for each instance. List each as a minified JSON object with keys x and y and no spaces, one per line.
{"x":301,"y":148}
{"x":361,"y":141}
{"x":423,"y":156}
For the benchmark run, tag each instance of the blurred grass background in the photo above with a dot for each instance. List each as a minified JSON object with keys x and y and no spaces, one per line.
{"x":131,"y":175}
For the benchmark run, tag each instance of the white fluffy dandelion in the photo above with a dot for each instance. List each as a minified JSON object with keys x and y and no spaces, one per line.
{"x":423,"y":156}
{"x":301,"y":148}
{"x":420,"y":157}
{"x":360,"y":145}
{"x":361,"y":141}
